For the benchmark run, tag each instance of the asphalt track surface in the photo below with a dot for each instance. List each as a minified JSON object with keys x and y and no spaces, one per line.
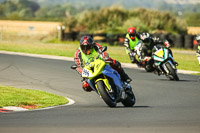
{"x":162,"y":106}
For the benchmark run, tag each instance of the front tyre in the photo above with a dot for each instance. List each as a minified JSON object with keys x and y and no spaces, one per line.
{"x":172,"y":72}
{"x":103,"y":90}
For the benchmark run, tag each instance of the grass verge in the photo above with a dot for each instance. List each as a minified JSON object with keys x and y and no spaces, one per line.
{"x":10,"y":96}
{"x":187,"y":61}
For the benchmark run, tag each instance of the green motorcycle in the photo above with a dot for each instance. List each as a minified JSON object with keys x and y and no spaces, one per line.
{"x":164,"y":62}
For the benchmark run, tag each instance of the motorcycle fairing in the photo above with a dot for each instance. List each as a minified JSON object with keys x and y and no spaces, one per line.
{"x":110,"y":72}
{"x":93,"y":69}
{"x":160,"y":56}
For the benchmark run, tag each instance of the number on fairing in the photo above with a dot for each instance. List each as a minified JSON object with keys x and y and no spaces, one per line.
{"x":85,"y":73}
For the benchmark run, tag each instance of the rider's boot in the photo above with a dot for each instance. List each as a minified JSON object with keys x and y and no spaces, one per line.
{"x":117,"y":66}
{"x":176,"y":63}
{"x":124,"y":76}
{"x":132,"y":57}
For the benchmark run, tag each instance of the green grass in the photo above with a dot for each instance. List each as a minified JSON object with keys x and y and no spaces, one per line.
{"x":186,"y":61}
{"x":40,"y":48}
{"x":10,"y":96}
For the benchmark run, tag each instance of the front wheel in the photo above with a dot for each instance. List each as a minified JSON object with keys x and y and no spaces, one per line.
{"x":108,"y":98}
{"x":172,"y":72}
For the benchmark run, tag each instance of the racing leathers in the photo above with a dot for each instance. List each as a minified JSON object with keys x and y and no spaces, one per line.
{"x":80,"y":59}
{"x":130,"y":45}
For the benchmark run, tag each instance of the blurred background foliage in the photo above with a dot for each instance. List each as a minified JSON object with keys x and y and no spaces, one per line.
{"x":104,"y":17}
{"x":116,"y":19}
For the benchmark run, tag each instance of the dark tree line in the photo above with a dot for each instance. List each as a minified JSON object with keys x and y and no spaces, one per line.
{"x":30,"y":10}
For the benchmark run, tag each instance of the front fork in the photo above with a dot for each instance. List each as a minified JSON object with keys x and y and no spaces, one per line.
{"x":93,"y":85}
{"x":171,"y":62}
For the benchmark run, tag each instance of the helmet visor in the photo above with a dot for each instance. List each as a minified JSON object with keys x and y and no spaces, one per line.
{"x":132,"y":35}
{"x":86,"y":49}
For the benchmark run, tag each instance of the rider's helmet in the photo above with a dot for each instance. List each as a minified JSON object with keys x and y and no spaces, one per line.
{"x":146,"y":38}
{"x":197,"y":38}
{"x":132,"y":32}
{"x":86,"y":44}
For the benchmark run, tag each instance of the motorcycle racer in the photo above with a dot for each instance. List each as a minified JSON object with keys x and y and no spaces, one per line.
{"x":149,"y":43}
{"x":130,"y":41}
{"x":150,"y":47}
{"x":88,"y":49}
{"x":197,"y":38}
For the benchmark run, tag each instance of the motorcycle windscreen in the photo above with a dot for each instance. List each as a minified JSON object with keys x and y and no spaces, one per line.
{"x":159,"y":53}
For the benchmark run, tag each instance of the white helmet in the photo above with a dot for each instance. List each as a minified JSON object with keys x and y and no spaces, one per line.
{"x":197,"y":38}
{"x":145,"y":37}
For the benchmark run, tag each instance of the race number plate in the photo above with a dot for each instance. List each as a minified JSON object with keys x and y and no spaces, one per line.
{"x":86,"y":73}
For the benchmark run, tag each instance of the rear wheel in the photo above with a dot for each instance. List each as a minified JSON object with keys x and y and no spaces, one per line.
{"x":149,"y":68}
{"x":172,"y":72}
{"x":108,"y":97}
{"x":130,"y":100}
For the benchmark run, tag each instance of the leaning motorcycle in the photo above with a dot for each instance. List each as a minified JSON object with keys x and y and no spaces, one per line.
{"x":146,"y":62}
{"x":106,"y":82}
{"x":164,"y":62}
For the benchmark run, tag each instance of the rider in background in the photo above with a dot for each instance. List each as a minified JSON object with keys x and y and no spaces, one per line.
{"x":130,"y":41}
{"x":150,"y":42}
{"x":148,"y":48}
{"x":197,"y":38}
{"x":88,"y":48}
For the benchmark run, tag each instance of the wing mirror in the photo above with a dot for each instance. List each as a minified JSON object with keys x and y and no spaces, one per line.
{"x":104,"y":49}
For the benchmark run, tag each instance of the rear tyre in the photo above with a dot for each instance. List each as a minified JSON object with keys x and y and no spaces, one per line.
{"x":130,"y":100}
{"x":172,"y":72}
{"x":149,"y":68}
{"x":108,"y":98}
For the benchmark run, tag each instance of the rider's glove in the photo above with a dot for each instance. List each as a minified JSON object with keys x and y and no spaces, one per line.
{"x":166,"y":43}
{"x":86,"y":86}
{"x":108,"y":59}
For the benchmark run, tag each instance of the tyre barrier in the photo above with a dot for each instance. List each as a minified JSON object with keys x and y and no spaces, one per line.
{"x":120,"y":39}
{"x":188,"y":42}
{"x":111,"y":39}
{"x":100,"y":37}
{"x":178,"y":41}
{"x":70,"y":36}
